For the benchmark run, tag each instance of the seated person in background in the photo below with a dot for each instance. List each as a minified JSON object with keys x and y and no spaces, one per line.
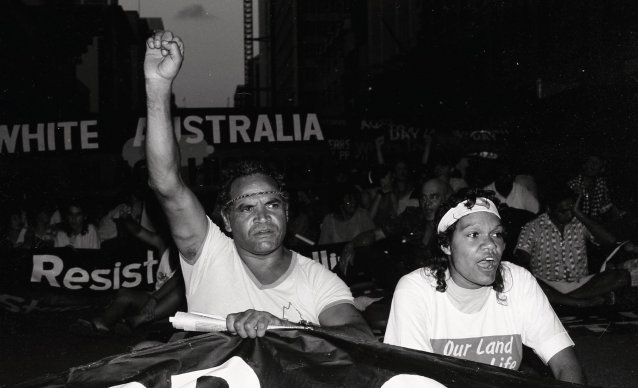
{"x":415,"y":227}
{"x":554,"y":245}
{"x":347,"y":220}
{"x":132,"y":307}
{"x":249,"y":278}
{"x":132,"y":206}
{"x":14,"y":228}
{"x":303,"y":226}
{"x":403,"y":179}
{"x":467,"y":300}
{"x":510,"y":191}
{"x":75,"y":229}
{"x":443,"y":168}
{"x":404,"y":186}
{"x":379,"y":199}
{"x":40,"y":233}
{"x":513,"y":220}
{"x":592,"y":185}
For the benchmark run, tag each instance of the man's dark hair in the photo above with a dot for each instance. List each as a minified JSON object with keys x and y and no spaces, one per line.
{"x":80,"y":203}
{"x":440,"y":263}
{"x":246,"y":168}
{"x":553,"y":195}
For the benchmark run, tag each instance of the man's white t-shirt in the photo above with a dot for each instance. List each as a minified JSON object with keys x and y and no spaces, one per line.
{"x":424,"y":319}
{"x":219,"y":283}
{"x":88,"y":240}
{"x":520,"y":197}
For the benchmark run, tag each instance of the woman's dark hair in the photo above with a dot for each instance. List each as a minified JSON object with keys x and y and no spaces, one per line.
{"x":246,"y":168}
{"x":440,"y":262}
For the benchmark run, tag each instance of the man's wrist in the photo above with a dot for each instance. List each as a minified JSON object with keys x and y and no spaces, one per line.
{"x":158,"y":86}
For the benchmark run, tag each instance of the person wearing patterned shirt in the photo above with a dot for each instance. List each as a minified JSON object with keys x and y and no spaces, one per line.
{"x":591,"y":183}
{"x":554,"y":245}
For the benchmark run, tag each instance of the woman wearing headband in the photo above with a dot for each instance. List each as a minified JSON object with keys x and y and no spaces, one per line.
{"x":469,"y":304}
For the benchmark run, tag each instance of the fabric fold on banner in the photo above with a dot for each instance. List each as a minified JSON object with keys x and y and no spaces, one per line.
{"x":287,"y":358}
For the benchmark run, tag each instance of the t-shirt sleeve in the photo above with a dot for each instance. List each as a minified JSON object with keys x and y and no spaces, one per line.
{"x":542,"y":330}
{"x":213,"y":248}
{"x":408,"y":320}
{"x":328,"y":288}
{"x":526,"y":238}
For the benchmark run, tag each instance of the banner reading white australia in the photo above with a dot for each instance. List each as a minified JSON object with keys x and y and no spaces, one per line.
{"x":212,"y":126}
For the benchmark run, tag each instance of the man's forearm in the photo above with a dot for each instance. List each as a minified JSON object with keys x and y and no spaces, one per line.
{"x":162,"y":152}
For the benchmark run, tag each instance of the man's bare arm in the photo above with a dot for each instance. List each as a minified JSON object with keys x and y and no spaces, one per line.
{"x":344,"y":318}
{"x":185,"y":214}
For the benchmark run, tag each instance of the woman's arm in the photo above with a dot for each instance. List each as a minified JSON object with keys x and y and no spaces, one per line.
{"x":565,"y":367}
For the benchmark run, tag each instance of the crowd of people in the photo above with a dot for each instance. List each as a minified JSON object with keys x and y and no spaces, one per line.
{"x":469,"y":249}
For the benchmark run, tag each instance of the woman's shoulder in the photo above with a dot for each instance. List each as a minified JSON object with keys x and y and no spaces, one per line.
{"x":514,"y":268}
{"x":421,"y":278}
{"x":514,"y":275}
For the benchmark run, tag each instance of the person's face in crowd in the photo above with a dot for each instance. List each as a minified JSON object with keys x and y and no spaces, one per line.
{"x":386,"y":181}
{"x":433,"y":192}
{"x":43,"y":217}
{"x":257,"y":222}
{"x":349,"y":205}
{"x":475,"y":250}
{"x":562,"y":213}
{"x":75,"y":218}
{"x":593,"y":166}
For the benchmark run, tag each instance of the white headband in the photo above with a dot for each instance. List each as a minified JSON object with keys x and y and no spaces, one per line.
{"x":462,"y":209}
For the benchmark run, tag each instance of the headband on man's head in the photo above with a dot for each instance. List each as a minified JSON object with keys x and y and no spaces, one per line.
{"x":462,"y":209}
{"x":282,"y":194}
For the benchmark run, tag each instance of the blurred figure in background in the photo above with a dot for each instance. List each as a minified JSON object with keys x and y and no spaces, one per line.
{"x":75,"y":229}
{"x":591,"y":183}
{"x":411,"y":237}
{"x":40,"y":233}
{"x":133,"y":307}
{"x":347,"y":219}
{"x":554,"y":247}
{"x":14,"y":228}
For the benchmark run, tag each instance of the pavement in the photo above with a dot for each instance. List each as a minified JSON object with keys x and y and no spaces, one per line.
{"x":41,"y":343}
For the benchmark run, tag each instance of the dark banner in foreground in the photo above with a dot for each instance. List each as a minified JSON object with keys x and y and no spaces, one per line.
{"x":286,"y":359}
{"x":61,"y":279}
